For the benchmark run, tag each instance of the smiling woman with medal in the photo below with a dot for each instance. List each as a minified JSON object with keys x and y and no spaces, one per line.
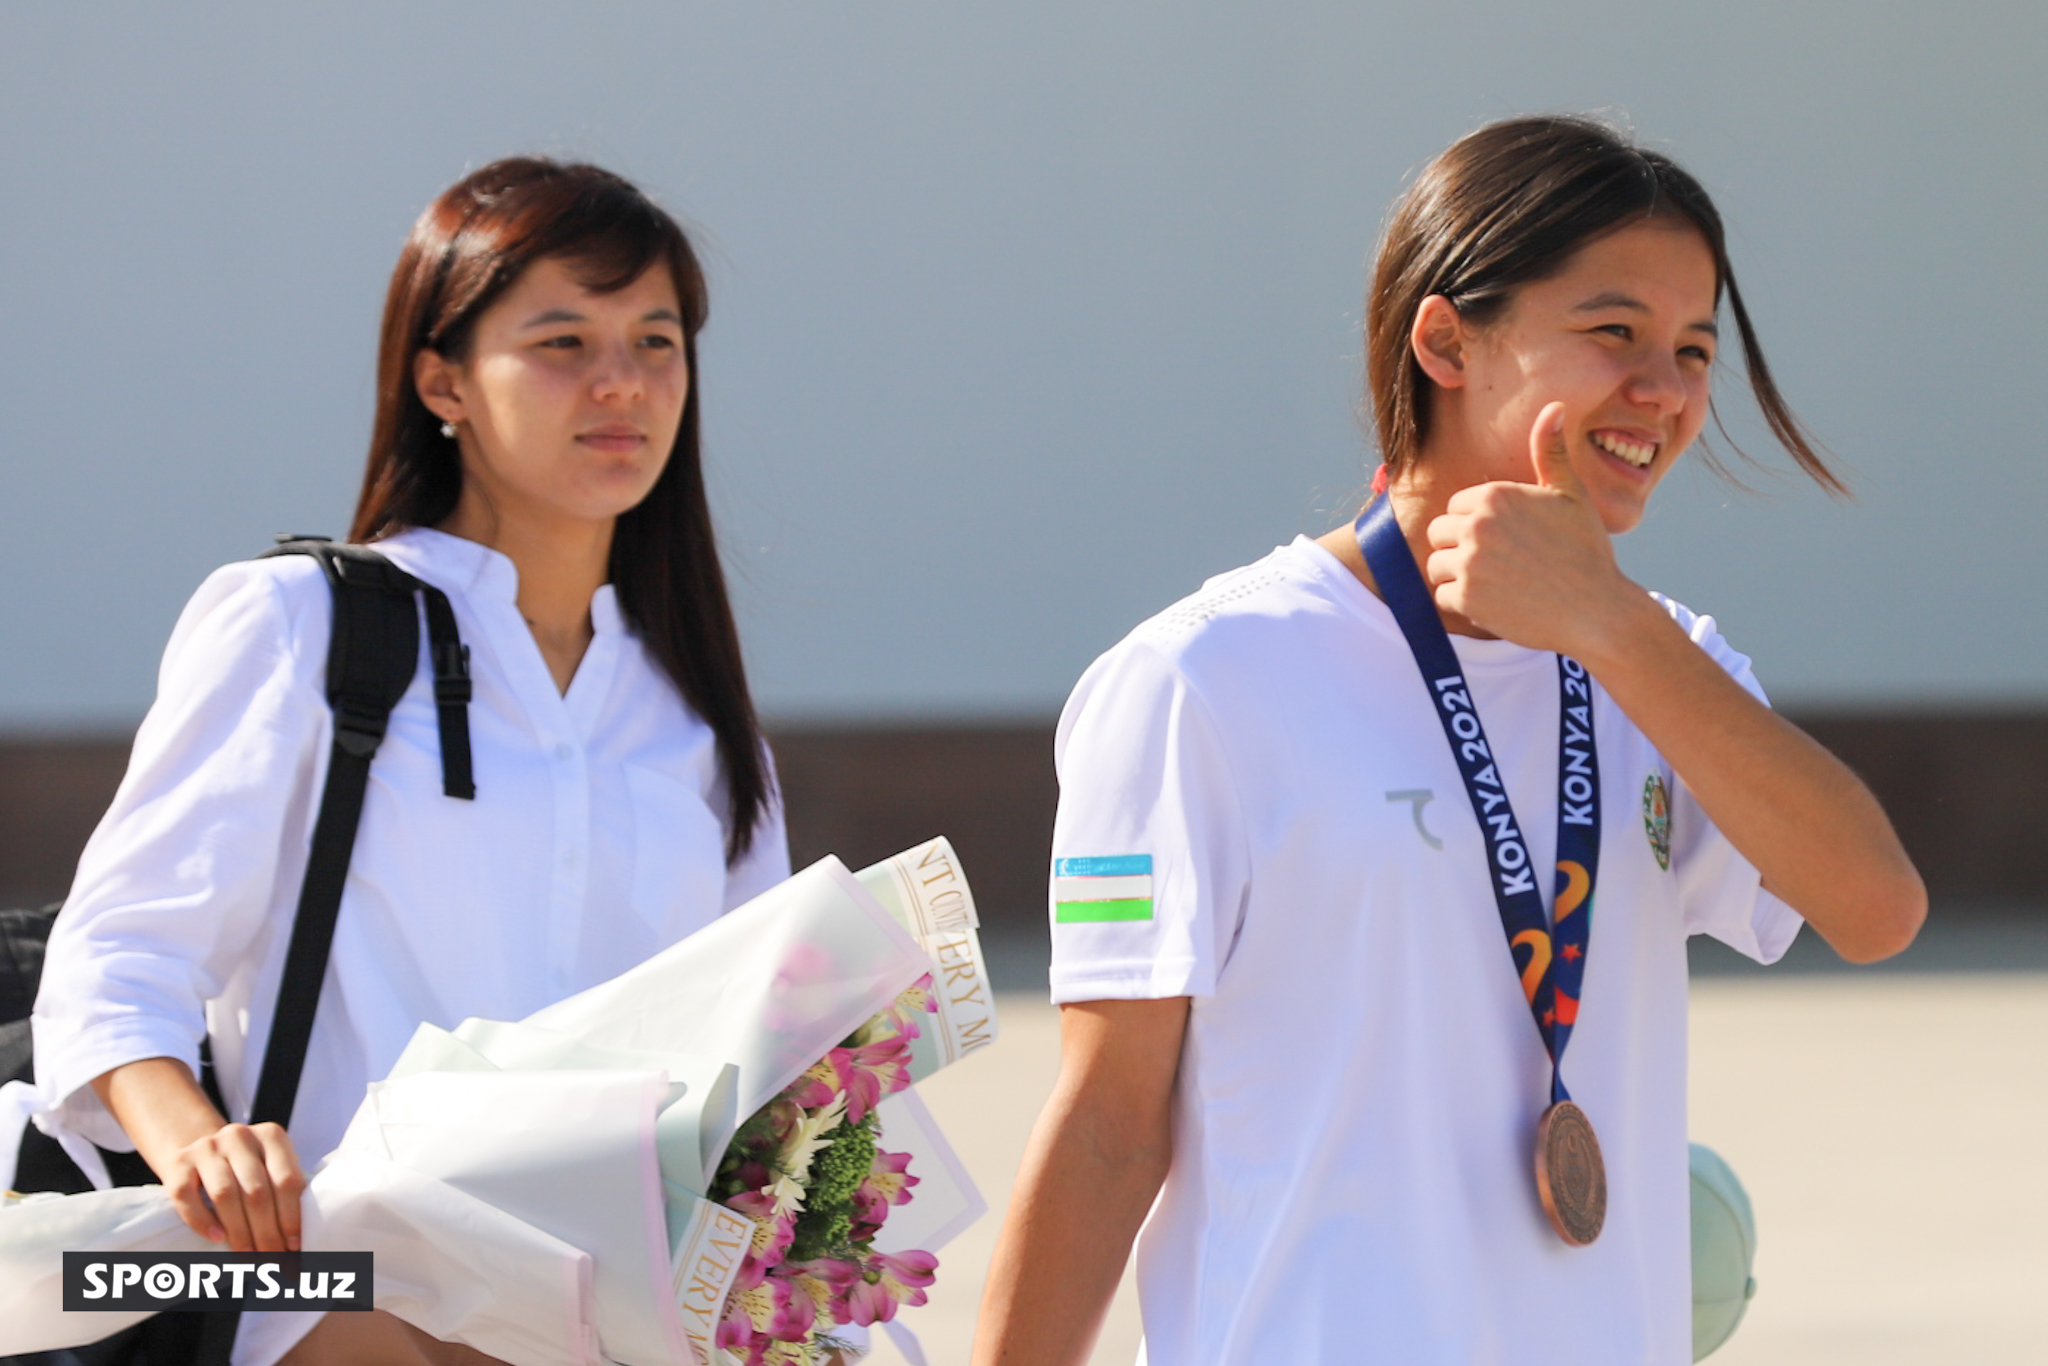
{"x":1355,"y":841}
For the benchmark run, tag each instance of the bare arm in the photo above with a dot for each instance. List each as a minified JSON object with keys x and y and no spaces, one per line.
{"x":233,"y":1183}
{"x":1815,"y":832}
{"x":1532,"y":563}
{"x":1096,"y":1160}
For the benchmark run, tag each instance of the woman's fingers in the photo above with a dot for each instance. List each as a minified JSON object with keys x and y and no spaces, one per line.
{"x":287,"y":1178}
{"x":1448,"y":529}
{"x":1445,"y":566}
{"x":224,"y":1193}
{"x":252,"y":1179}
{"x":1467,"y":500}
{"x":188,"y":1197}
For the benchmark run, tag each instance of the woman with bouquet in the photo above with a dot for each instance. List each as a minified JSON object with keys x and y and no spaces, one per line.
{"x":1356,"y":840}
{"x":535,"y":456}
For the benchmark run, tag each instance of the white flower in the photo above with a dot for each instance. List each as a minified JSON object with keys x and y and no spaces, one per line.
{"x":793,"y":1161}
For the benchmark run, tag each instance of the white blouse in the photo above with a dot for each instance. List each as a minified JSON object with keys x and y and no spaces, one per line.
{"x":596,"y":838}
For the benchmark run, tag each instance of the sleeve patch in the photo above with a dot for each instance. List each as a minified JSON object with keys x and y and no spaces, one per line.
{"x":1104,"y":888}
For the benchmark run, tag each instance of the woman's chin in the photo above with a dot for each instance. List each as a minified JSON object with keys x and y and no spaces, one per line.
{"x":604,"y":500}
{"x":1620,"y":513}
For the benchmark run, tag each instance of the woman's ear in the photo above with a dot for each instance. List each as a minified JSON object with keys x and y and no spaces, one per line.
{"x":439,"y":382}
{"x":1438,"y":340}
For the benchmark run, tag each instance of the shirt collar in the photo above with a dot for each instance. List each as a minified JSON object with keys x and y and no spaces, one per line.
{"x":477,"y":570}
{"x":452,"y":562}
{"x":605,"y":615}
{"x":1343,"y":585}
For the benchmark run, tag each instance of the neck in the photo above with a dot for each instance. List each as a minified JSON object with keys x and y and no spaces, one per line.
{"x":562,"y":562}
{"x":1418,"y":500}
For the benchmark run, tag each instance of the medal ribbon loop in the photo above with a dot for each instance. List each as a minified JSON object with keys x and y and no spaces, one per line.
{"x":1549,"y":950}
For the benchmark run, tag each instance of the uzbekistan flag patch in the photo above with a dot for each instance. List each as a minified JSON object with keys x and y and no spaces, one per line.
{"x":1088,"y":891}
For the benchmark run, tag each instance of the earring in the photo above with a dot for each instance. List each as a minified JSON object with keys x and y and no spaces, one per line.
{"x":448,"y":430}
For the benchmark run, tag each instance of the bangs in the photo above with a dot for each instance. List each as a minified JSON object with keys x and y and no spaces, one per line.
{"x":609,"y":240}
{"x":519,"y":211}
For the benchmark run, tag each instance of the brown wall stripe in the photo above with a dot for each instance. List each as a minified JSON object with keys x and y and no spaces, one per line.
{"x":1964,"y":788}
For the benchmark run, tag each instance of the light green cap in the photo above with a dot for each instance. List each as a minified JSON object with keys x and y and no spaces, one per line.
{"x":1723,"y":1251}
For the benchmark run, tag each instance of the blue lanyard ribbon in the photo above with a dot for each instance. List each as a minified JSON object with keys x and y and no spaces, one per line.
{"x":1549,"y":950}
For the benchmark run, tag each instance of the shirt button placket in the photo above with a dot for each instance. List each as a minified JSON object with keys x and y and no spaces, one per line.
{"x":572,"y":826}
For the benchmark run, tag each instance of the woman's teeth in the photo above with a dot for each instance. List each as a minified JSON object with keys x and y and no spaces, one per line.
{"x":1633,"y":452}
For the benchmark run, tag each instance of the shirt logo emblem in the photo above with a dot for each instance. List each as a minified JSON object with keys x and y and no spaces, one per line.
{"x":1657,"y":819}
{"x":1417,"y":798}
{"x":1090,"y":891}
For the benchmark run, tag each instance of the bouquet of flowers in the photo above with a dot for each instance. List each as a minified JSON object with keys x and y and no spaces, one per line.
{"x":809,"y":1171}
{"x":579,"y":1187}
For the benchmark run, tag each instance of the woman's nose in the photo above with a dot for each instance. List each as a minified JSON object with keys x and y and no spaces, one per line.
{"x":617,"y":374}
{"x":1657,"y":383}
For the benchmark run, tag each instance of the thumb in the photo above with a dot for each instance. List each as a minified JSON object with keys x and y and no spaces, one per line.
{"x":1549,"y":454}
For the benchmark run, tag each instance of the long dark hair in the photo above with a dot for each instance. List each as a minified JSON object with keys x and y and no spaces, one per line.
{"x":464,"y":252}
{"x":1509,"y":205}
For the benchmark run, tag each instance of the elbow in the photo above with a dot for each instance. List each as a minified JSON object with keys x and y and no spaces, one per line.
{"x":1887,"y":920}
{"x":1127,"y":1155}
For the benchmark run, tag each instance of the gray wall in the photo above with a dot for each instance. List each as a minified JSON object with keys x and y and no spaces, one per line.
{"x":1025,"y":318}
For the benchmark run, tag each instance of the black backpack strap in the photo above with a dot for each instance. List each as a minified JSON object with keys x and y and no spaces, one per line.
{"x":451,"y":693}
{"x":371,"y":659}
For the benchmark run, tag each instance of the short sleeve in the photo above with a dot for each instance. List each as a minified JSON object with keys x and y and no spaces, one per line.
{"x":1150,"y":869}
{"x":1721,"y":891}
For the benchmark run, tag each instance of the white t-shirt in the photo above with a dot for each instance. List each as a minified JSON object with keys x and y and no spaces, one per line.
{"x":1258,"y":810}
{"x":597,"y":838}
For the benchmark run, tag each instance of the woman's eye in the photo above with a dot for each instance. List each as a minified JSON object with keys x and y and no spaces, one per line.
{"x":1698,"y":353}
{"x":570,"y":343}
{"x":1621,"y":330}
{"x":658,"y":342}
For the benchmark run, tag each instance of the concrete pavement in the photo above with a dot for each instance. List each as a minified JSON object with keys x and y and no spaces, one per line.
{"x":1891,"y":1129}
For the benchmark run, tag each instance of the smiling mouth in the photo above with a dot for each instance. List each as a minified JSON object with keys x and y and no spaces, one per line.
{"x":1635,"y":453}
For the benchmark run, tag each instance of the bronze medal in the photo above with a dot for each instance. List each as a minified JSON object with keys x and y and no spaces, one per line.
{"x":1571,"y":1179}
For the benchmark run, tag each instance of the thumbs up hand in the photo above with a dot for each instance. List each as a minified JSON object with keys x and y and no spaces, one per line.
{"x":1550,"y":456}
{"x":1531,"y":563}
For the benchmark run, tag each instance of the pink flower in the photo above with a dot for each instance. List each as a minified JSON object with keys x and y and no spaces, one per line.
{"x":919,"y":998}
{"x":816,"y":1087}
{"x":887,"y":1183}
{"x":836,"y":1273}
{"x":864,"y":1073}
{"x":755,"y":1204}
{"x":871,"y":1072}
{"x":867,"y":1304}
{"x":795,"y":1312}
{"x":891,"y":1061}
{"x":736,"y":1330}
{"x":894,"y":1024}
{"x":770,"y":1309}
{"x":888,"y":1281}
{"x":769,"y":1239}
{"x":862,"y":1086}
{"x":772,"y":1238}
{"x":826,"y":1280}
